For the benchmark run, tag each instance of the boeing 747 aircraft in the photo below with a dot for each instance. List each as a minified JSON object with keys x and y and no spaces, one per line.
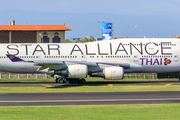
{"x":107,"y":59}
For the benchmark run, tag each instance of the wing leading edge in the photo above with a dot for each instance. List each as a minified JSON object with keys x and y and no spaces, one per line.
{"x":58,"y":64}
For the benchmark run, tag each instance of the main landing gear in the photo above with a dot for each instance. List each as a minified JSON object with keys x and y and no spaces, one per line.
{"x":70,"y":80}
{"x":60,"y":80}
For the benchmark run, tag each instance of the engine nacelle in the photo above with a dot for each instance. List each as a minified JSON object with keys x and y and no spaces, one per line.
{"x":113,"y":73}
{"x":74,"y":71}
{"x":77,"y":71}
{"x":110,"y":73}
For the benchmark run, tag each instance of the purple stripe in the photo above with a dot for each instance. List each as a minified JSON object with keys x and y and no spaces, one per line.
{"x":13,"y":58}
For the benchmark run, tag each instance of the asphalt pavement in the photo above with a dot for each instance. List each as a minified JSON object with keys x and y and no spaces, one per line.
{"x":36,"y":99}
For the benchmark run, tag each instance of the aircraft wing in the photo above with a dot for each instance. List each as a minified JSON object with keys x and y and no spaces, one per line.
{"x":44,"y":64}
{"x":58,"y":64}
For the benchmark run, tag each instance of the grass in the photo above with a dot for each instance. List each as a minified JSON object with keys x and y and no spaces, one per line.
{"x":61,"y":89}
{"x":67,"y":89}
{"x":137,"y":79}
{"x":93,"y":112}
{"x":26,"y":80}
{"x":87,"y":79}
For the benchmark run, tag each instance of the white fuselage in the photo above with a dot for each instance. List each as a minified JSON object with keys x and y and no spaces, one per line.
{"x":142,"y":55}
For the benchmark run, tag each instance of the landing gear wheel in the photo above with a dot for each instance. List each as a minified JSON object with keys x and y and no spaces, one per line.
{"x":66,"y":80}
{"x":61,"y":80}
{"x":57,"y":81}
{"x":83,"y":81}
{"x":71,"y":80}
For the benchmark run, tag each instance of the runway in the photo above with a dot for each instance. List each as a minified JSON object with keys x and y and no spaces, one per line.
{"x":101,"y":83}
{"x":34,"y":99}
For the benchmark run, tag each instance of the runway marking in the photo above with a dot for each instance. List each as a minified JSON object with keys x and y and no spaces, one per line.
{"x":168,"y":84}
{"x":96,"y":100}
{"x":46,"y":85}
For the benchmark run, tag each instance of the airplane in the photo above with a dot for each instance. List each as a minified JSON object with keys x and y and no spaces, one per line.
{"x":108,"y":59}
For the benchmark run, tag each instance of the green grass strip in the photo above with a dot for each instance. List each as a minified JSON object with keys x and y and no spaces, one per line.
{"x":93,"y":112}
{"x":66,"y":89}
{"x":26,"y":80}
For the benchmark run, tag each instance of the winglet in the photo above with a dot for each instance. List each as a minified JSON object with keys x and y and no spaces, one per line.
{"x":13,"y":58}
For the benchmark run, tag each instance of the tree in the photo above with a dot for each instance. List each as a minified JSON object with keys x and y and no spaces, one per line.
{"x":86,"y":39}
{"x":67,"y":41}
{"x":92,"y":38}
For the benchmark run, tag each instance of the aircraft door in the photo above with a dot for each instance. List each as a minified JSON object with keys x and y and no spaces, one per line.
{"x":150,"y":44}
{"x":83,"y":58}
{"x":39,"y":56}
{"x":176,"y":57}
{"x":2,"y":64}
{"x":135,"y":57}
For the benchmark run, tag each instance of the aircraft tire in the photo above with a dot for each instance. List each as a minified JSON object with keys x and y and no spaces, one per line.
{"x":57,"y":80}
{"x":61,"y":80}
{"x":83,"y":81}
{"x":68,"y":80}
{"x":65,"y":80}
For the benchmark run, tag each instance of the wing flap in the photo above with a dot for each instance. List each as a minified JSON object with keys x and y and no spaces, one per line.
{"x":42,"y":68}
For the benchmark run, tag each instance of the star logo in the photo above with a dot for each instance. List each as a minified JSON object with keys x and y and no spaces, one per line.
{"x":167,"y":61}
{"x":11,"y":57}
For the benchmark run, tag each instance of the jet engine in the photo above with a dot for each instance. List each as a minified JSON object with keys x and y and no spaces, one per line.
{"x":110,"y":73}
{"x":113,"y":73}
{"x":74,"y":71}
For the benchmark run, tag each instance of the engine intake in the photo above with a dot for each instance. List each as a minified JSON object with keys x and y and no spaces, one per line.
{"x":74,"y":71}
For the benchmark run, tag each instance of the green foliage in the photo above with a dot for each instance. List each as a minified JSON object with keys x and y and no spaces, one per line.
{"x":86,"y":39}
{"x":67,"y":41}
